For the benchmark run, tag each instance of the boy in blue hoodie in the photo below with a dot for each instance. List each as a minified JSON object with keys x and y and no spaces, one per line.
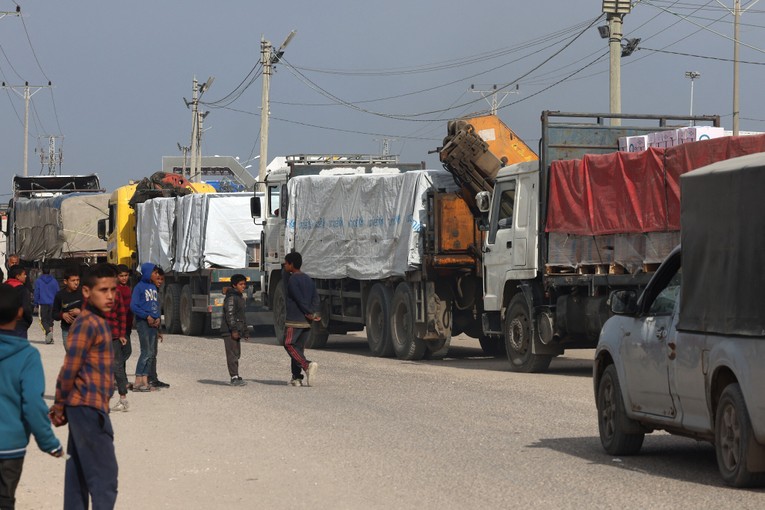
{"x":22,"y":408}
{"x":145,"y":307}
{"x":46,"y":288}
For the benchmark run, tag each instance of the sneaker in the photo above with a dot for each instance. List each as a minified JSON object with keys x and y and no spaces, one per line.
{"x":310,"y":373}
{"x":122,"y":405}
{"x":296,"y":382}
{"x":237,"y":381}
{"x":159,"y":384}
{"x":49,"y":338}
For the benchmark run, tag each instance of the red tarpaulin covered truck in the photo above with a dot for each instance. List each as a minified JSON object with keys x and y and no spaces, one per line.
{"x":562,"y":232}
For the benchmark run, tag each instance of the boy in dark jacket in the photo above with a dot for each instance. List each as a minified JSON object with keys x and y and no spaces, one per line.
{"x":22,"y":408}
{"x":145,"y":307}
{"x":17,"y":278}
{"x":68,"y":302}
{"x":302,"y":302}
{"x":233,"y":327}
{"x":46,"y":288}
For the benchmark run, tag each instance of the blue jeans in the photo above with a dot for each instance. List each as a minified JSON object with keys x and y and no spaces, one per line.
{"x":91,"y":469}
{"x":147,"y":337}
{"x":64,"y":336}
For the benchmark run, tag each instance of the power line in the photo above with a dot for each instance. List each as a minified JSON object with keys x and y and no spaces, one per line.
{"x":703,"y":56}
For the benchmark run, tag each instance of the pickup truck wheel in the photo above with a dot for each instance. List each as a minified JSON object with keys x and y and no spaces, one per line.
{"x":171,"y":307}
{"x":377,"y":320}
{"x":612,"y":417}
{"x":192,"y":323}
{"x":405,"y":344}
{"x":518,"y":339}
{"x":279,"y":307}
{"x":733,"y":438}
{"x":492,"y":345}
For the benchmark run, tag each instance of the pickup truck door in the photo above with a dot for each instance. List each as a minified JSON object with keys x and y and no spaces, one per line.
{"x":648,"y":350}
{"x":511,"y":242}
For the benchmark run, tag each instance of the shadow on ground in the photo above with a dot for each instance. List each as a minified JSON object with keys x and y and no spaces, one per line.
{"x":662,"y":455}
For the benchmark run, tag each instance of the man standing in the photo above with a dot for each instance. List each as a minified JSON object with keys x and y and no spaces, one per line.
{"x":302,"y":308}
{"x":84,"y":387}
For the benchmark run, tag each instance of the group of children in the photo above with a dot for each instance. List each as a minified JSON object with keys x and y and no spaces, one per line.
{"x":96,"y":334}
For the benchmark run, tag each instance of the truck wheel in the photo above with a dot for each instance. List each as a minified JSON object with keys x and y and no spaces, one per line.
{"x":192,"y":323}
{"x":438,"y":349}
{"x":279,"y":307}
{"x":317,"y":338}
{"x":734,"y":439}
{"x":377,"y":320}
{"x":171,"y":307}
{"x":518,"y":339}
{"x":492,"y":345}
{"x":612,"y":418}
{"x":405,"y":344}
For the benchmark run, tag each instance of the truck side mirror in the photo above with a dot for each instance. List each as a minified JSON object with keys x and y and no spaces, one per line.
{"x":255,"y":207}
{"x":482,"y":201}
{"x":623,"y":302}
{"x":102,"y":229}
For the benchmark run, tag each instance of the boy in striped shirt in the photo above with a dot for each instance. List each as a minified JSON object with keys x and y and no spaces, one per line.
{"x":84,"y":387}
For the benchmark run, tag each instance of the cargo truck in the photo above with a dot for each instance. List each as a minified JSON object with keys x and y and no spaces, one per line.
{"x":52,"y":220}
{"x":200,"y":239}
{"x":560,"y":234}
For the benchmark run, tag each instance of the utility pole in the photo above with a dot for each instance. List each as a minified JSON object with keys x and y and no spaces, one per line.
{"x":26,"y":92}
{"x":615,"y":11}
{"x":196,"y":131}
{"x":267,"y":58}
{"x":185,"y":150}
{"x":736,"y":12}
{"x":492,"y":93}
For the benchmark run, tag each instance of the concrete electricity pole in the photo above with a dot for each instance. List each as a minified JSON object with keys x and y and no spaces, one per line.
{"x":736,"y":12}
{"x":196,"y":131}
{"x":26,"y":91}
{"x":692,"y":75}
{"x":615,"y":11}
{"x":267,"y":58}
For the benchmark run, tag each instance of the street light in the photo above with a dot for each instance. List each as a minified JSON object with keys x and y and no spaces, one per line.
{"x":692,"y":75}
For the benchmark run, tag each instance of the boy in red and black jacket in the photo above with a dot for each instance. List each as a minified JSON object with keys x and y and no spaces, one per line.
{"x":117,"y":317}
{"x":126,"y":293}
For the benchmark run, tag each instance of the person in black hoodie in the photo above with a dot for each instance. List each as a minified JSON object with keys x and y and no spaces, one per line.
{"x":234,"y":326}
{"x":302,"y":305}
{"x":68,"y":302}
{"x":17,"y":278}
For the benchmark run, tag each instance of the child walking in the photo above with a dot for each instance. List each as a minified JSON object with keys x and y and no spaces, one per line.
{"x":302,"y":303}
{"x":22,"y":408}
{"x":84,"y":387}
{"x":234,"y":326}
{"x":46,"y":288}
{"x":68,"y":302}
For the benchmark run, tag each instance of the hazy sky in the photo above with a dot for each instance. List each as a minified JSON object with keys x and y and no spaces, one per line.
{"x":120,"y":71}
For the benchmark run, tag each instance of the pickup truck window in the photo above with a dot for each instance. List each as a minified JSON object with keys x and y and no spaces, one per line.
{"x":665,"y":301}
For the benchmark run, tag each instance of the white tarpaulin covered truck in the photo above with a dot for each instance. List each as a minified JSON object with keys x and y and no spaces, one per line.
{"x":53,"y":219}
{"x":200,"y":240}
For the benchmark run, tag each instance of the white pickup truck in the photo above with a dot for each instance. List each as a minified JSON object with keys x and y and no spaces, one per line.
{"x":688,"y":355}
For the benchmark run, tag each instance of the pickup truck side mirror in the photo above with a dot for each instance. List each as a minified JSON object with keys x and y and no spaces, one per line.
{"x":623,"y":302}
{"x":102,"y":229}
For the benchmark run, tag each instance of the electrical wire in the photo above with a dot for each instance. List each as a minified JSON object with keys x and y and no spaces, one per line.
{"x":703,"y":56}
{"x":235,"y":94}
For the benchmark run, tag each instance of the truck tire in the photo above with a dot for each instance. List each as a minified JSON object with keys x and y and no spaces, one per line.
{"x":317,"y":338}
{"x":192,"y":323}
{"x":492,"y":345}
{"x":406,"y":345}
{"x":437,"y":349}
{"x":171,"y":307}
{"x":613,"y":420}
{"x":734,"y":440}
{"x":518,"y":340}
{"x":279,"y":307}
{"x":377,"y":320}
